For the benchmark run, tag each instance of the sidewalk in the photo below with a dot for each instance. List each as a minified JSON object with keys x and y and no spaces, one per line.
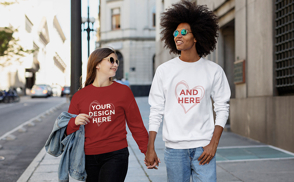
{"x":238,"y":159}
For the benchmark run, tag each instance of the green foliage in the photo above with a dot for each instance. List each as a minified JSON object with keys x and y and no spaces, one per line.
{"x":5,"y":37}
{"x":4,"y":3}
{"x":9,"y":46}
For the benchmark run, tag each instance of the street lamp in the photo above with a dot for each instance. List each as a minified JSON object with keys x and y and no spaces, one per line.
{"x":88,"y":29}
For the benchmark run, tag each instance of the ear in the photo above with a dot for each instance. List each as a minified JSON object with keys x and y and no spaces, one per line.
{"x":195,"y":40}
{"x":98,"y":66}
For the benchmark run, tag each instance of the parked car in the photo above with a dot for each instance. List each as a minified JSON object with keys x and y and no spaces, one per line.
{"x":65,"y":91}
{"x":9,"y":96}
{"x":41,"y":90}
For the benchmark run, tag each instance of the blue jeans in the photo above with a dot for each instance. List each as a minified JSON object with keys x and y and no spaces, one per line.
{"x":182,"y":163}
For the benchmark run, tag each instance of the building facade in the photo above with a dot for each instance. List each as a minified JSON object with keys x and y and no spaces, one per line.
{"x":128,"y":26}
{"x":256,"y":49}
{"x":39,"y":30}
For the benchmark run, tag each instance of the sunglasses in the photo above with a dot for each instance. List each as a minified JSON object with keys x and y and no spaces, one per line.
{"x":183,"y":32}
{"x":111,"y":60}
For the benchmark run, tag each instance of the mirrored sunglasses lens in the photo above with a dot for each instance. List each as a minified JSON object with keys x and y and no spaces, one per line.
{"x":176,"y":33}
{"x":184,"y":32}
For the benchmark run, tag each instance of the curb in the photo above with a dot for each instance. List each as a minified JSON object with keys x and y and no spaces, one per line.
{"x":29,"y":121}
{"x":26,"y":175}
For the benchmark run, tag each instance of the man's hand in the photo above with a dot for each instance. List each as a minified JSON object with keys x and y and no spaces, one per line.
{"x":208,"y":154}
{"x":210,"y":149}
{"x":151,"y":159}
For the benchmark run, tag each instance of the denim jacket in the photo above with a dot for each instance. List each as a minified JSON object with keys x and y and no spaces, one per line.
{"x":71,"y":146}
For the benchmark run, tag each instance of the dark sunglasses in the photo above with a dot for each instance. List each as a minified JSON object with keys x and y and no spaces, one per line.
{"x":111,"y":60}
{"x":183,"y":32}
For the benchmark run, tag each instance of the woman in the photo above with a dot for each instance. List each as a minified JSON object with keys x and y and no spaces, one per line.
{"x":104,"y":107}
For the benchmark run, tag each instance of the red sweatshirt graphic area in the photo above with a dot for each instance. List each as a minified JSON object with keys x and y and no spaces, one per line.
{"x":110,"y":107}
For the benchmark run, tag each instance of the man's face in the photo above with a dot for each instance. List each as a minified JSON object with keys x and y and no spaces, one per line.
{"x":184,"y":42}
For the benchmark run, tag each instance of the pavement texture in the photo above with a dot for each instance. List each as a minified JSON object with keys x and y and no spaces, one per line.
{"x":239,"y":159}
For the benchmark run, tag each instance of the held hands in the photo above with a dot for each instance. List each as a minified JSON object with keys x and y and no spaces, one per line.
{"x":151,"y":159}
{"x":82,"y":119}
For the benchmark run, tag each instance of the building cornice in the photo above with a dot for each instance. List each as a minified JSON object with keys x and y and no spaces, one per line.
{"x":108,"y":1}
{"x":58,"y":28}
{"x":103,"y":41}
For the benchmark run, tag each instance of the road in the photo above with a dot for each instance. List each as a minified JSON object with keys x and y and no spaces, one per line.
{"x":19,"y":152}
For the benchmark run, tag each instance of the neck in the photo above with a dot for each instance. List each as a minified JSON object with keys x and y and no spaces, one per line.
{"x":189,"y":55}
{"x":101,"y":81}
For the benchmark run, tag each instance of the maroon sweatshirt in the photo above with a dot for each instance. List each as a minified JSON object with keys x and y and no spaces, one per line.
{"x":111,"y":107}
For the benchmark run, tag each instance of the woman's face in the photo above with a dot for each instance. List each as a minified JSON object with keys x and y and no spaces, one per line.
{"x":184,"y":42}
{"x":106,"y":67}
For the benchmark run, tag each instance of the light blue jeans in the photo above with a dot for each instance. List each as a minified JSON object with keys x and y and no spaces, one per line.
{"x":182,"y":163}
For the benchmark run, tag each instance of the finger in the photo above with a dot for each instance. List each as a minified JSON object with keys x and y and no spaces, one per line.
{"x":201,"y":156}
{"x":159,"y":161}
{"x":86,"y":115}
{"x":207,"y":160}
{"x":83,"y":118}
{"x":154,"y":164}
{"x":203,"y":159}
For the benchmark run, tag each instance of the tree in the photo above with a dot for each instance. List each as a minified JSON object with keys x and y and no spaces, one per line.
{"x":10,"y":49}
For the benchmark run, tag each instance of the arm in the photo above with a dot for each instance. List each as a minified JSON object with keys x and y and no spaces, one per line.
{"x":136,"y":125}
{"x":74,"y":123}
{"x":151,"y":159}
{"x":157,"y":101}
{"x":221,"y":95}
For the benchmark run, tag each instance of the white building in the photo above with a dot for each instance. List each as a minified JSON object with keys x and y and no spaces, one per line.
{"x":39,"y":29}
{"x":129,"y":27}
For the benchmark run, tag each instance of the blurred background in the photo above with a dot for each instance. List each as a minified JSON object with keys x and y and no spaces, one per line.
{"x":44,"y":47}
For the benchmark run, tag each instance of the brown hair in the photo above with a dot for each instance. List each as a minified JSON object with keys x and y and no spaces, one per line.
{"x":95,"y":58}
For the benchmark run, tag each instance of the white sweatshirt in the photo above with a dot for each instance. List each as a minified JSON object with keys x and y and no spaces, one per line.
{"x":182,"y":92}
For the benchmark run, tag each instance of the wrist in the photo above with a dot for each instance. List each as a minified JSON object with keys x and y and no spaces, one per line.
{"x":150,"y":147}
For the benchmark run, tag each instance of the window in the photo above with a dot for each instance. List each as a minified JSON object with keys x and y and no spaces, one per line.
{"x":115,"y":19}
{"x":284,"y":46}
{"x":154,"y":20}
{"x":154,"y":16}
{"x":28,"y":24}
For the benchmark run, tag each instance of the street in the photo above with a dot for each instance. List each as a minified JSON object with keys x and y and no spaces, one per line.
{"x":20,"y":147}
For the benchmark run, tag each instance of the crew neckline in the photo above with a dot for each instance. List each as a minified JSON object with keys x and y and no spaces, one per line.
{"x":188,"y":63}
{"x":105,"y":87}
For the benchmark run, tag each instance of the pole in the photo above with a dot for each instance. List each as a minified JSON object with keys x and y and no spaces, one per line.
{"x":76,"y":49}
{"x":88,"y":30}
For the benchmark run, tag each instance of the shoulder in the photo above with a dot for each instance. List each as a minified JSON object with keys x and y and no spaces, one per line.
{"x":212,"y":65}
{"x":82,"y":92}
{"x":166,"y":66}
{"x":123,"y":90}
{"x":121,"y":87}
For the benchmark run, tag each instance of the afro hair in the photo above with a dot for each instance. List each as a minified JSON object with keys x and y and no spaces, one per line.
{"x":203,"y":23}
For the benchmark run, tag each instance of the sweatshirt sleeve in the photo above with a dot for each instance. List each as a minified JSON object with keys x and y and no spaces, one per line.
{"x":221,"y":94}
{"x":136,"y":125}
{"x":156,"y":101}
{"x":73,"y":109}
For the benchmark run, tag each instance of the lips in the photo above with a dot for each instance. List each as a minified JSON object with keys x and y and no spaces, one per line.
{"x":179,"y":42}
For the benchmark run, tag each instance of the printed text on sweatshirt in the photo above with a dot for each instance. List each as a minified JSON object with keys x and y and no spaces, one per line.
{"x":182,"y":93}
{"x":110,"y":107}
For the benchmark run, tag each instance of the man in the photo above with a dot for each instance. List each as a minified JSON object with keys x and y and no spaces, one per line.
{"x":181,"y":91}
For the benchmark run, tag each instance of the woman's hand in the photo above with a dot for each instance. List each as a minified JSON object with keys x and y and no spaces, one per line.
{"x":82,"y":119}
